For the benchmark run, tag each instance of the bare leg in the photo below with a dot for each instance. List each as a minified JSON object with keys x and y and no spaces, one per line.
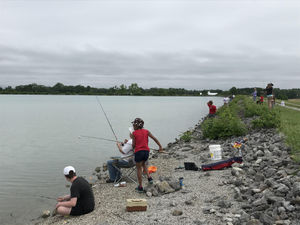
{"x":62,"y":210}
{"x":139,"y":169}
{"x":269,"y":102}
{"x":145,"y":167}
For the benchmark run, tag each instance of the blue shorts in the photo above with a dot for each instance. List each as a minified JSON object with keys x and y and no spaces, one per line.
{"x":141,"y":155}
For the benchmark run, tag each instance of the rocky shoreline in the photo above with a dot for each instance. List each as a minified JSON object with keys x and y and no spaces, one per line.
{"x":265,"y":189}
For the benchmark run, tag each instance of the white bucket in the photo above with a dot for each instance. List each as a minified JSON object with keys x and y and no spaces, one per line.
{"x":215,"y":152}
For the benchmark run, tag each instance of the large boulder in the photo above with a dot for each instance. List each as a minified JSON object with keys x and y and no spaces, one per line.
{"x":164,"y":187}
{"x":296,"y":189}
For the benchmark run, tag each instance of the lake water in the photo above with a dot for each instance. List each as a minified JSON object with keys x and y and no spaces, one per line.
{"x":39,"y":137}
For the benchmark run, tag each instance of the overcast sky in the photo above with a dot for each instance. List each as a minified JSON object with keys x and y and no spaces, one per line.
{"x":189,"y":44}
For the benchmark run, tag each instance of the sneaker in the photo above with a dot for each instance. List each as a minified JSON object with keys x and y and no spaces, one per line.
{"x":150,"y":180}
{"x":109,"y":181}
{"x":140,"y":189}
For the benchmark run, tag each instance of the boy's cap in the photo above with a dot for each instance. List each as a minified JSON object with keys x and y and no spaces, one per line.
{"x":138,"y":121}
{"x":67,"y":170}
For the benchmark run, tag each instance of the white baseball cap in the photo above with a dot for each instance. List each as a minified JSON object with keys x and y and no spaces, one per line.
{"x":67,"y":170}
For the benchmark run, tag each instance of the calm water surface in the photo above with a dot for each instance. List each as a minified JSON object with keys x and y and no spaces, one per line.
{"x":39,"y":137}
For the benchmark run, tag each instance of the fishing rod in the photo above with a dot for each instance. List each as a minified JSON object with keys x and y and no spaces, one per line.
{"x":46,"y":197}
{"x":105,"y":139}
{"x":99,"y":138}
{"x":107,"y":118}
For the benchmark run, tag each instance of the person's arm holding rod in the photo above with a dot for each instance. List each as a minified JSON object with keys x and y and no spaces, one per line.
{"x":64,"y":198}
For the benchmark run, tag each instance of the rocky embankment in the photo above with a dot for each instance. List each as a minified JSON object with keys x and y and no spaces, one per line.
{"x":265,"y":189}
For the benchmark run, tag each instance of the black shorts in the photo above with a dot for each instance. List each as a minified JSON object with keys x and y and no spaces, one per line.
{"x":140,"y":156}
{"x":76,"y":211}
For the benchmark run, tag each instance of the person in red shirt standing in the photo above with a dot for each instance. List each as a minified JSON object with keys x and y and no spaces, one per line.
{"x":141,"y":150}
{"x":212,"y":109}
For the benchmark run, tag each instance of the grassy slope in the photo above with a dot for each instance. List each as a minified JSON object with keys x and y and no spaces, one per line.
{"x":290,"y":126}
{"x":295,"y":101}
{"x":291,"y":102}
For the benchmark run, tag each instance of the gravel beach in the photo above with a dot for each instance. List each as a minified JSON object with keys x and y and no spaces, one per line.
{"x":243,"y":194}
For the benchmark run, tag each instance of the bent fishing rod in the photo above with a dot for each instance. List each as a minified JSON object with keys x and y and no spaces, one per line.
{"x":107,"y":119}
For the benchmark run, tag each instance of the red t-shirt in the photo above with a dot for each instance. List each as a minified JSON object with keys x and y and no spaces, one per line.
{"x":141,"y":140}
{"x":261,"y":98}
{"x":212,"y":109}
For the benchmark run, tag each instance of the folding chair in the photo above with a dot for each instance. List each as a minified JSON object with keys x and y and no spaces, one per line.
{"x":126,"y":172}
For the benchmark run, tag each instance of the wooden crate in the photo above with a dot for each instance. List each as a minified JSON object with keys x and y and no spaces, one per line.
{"x":136,"y":205}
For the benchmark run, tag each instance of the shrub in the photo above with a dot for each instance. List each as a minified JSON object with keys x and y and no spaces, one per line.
{"x":252,"y":109}
{"x":267,"y":119}
{"x":226,"y":124}
{"x":186,"y":136}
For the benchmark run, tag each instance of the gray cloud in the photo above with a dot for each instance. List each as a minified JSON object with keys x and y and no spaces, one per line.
{"x":100,"y":68}
{"x":187,"y":44}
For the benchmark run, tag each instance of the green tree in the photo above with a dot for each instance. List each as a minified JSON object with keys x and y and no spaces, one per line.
{"x":233,"y":91}
{"x":134,"y":89}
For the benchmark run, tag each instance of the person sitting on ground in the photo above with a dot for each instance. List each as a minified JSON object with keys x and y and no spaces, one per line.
{"x":81,"y":200}
{"x":212,"y":109}
{"x":141,"y":150}
{"x":126,"y":159}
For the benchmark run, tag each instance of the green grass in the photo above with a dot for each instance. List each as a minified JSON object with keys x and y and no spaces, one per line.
{"x":290,"y":126}
{"x":292,"y":103}
{"x":295,"y":101}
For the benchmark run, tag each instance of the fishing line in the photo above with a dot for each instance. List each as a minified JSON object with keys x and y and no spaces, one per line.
{"x":99,"y":138}
{"x":105,"y":139}
{"x":107,"y":118}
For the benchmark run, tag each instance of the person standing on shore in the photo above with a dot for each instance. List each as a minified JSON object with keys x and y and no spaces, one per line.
{"x":81,"y":200}
{"x":126,"y":159}
{"x":269,"y":90}
{"x":212,"y":109}
{"x":254,"y":94}
{"x":226,"y":100}
{"x":273,"y":101}
{"x":141,"y":150}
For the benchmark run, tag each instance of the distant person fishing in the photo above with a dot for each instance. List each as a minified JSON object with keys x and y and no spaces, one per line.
{"x":212,"y":109}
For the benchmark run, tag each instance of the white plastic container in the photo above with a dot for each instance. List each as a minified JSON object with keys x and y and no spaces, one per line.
{"x":215,"y":152}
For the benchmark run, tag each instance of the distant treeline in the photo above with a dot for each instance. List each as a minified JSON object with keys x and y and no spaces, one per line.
{"x":134,"y":89}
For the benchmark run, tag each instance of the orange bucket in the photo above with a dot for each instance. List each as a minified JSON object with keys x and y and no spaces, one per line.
{"x":152,"y":169}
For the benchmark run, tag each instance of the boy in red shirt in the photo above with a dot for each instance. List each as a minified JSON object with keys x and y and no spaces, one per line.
{"x":212,"y":109}
{"x":261,"y":100}
{"x":141,"y":150}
